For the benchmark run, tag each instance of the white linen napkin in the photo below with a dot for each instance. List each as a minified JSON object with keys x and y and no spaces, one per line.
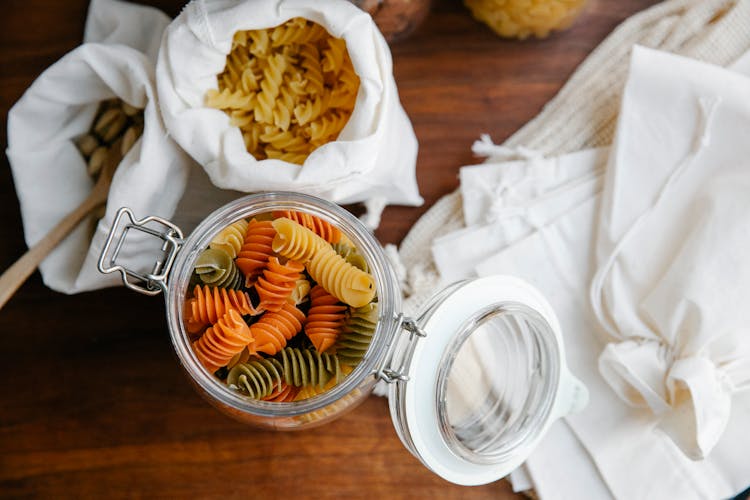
{"x":374,"y":157}
{"x":632,"y":447}
{"x":49,"y":172}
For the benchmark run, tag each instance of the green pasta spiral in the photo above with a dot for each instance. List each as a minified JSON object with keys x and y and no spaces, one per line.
{"x":307,"y":367}
{"x":257,"y":378}
{"x":298,"y":367}
{"x":215,"y":267}
{"x":351,"y":255}
{"x":359,"y":329}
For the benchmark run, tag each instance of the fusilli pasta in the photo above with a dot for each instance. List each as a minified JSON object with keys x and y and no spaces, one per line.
{"x":277,"y":283}
{"x":325,"y":319}
{"x":215,"y":267}
{"x":220,"y":342}
{"x":289,"y":89}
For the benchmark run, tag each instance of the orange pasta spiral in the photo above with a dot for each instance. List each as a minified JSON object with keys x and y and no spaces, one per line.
{"x":321,"y":227}
{"x":325,"y":319}
{"x":273,"y":329}
{"x":218,"y":345}
{"x":256,"y":249}
{"x":210,"y":303}
{"x":284,"y":394}
{"x":277,"y":283}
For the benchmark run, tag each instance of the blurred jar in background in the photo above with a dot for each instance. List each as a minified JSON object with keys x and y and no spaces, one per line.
{"x":523,"y":18}
{"x":396,"y":19}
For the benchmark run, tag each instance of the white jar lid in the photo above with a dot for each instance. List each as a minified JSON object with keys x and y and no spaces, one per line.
{"x":479,"y":391}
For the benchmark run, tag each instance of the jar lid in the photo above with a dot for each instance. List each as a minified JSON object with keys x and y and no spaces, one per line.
{"x":477,"y":393}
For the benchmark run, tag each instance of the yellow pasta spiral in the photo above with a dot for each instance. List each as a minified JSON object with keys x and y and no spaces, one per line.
{"x":350,"y":285}
{"x":296,"y":242}
{"x":231,"y":238}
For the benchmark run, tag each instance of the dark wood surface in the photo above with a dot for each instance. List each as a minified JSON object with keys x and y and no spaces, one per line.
{"x":92,"y":401}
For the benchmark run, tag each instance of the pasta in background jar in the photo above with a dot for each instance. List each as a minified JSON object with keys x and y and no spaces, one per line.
{"x":523,"y":18}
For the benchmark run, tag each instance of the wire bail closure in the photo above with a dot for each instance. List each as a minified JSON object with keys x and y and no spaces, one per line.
{"x":154,"y":282}
{"x":409,"y":325}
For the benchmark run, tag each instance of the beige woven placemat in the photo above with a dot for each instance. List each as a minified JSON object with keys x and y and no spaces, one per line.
{"x":584,"y":112}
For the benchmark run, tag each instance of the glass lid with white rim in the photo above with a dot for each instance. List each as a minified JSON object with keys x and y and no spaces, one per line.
{"x":480,"y":379}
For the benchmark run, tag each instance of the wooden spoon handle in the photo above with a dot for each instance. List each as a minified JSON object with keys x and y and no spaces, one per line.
{"x":19,"y":272}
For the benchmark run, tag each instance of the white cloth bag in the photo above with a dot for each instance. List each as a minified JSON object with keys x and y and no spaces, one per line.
{"x":673,"y":280}
{"x":49,"y":172}
{"x":373,"y":158}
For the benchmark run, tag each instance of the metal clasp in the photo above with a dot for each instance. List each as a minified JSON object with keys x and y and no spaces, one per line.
{"x":390,"y":374}
{"x":155,"y":281}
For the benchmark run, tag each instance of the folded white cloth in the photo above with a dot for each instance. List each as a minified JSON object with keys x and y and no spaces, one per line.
{"x":49,"y":172}
{"x":374,"y":157}
{"x":678,"y":276}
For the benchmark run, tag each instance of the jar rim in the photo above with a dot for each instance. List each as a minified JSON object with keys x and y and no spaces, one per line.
{"x":389,"y":299}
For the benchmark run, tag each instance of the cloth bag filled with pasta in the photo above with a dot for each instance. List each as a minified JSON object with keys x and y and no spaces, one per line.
{"x":288,"y":95}
{"x":46,"y":128}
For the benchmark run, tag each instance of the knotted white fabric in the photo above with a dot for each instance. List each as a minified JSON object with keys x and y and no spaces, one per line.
{"x":672,"y":244}
{"x":49,"y":172}
{"x":374,"y":156}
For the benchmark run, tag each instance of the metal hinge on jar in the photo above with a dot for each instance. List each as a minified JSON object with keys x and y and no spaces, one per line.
{"x":389,"y":372}
{"x":147,"y":283}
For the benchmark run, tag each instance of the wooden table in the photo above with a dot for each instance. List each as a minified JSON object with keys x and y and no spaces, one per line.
{"x":93,"y":400}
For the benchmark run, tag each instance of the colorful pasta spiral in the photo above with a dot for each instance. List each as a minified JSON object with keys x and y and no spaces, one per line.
{"x":230,"y":238}
{"x":218,"y":345}
{"x":209,"y":304}
{"x":351,"y":255}
{"x":256,"y":249}
{"x":350,"y":285}
{"x":359,"y":329}
{"x":295,"y":241}
{"x":272,"y":331}
{"x":321,"y":227}
{"x":287,"y":393}
{"x":277,"y":283}
{"x":258,"y":378}
{"x":306,"y":367}
{"x":325,"y":319}
{"x":215,"y":267}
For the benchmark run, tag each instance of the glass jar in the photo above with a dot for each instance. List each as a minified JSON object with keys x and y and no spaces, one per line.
{"x":524,"y":18}
{"x":474,"y":380}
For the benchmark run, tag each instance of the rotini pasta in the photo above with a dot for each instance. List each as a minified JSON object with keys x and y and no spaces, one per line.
{"x":325,"y":319}
{"x":220,"y":342}
{"x":359,"y":329}
{"x":208,"y":304}
{"x":295,"y":241}
{"x":231,"y":238}
{"x":301,"y":291}
{"x":321,"y":227}
{"x":256,"y":249}
{"x":215,"y":267}
{"x":272,"y":331}
{"x":351,"y":255}
{"x":350,"y":285}
{"x":305,"y":367}
{"x":286,"y":394}
{"x":289,"y":89}
{"x":277,"y":283}
{"x":258,"y":378}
